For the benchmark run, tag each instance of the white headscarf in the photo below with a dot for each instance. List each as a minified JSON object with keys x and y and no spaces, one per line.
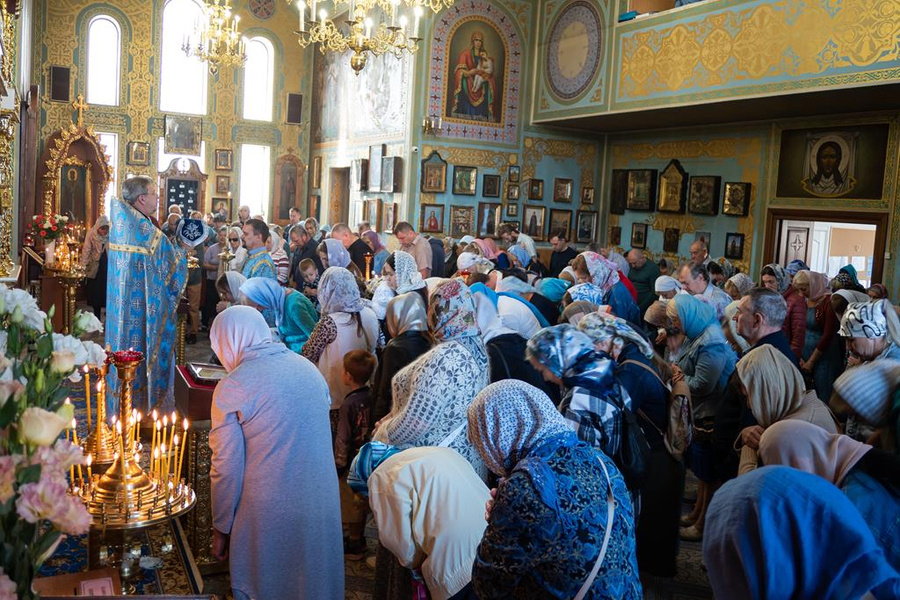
{"x":408,"y":276}
{"x":337,"y":254}
{"x":620,"y":261}
{"x":664,"y":283}
{"x":465,"y":240}
{"x":339,"y":292}
{"x":488,"y":318}
{"x":235,"y":281}
{"x":237,"y":331}
{"x":871,"y":320}
{"x":468,"y":260}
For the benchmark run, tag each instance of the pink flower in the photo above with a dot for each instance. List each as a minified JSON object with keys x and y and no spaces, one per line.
{"x":72,"y":517}
{"x":38,"y":501}
{"x":7,"y":587}
{"x":7,"y":477}
{"x":55,"y":460}
{"x":47,"y":499}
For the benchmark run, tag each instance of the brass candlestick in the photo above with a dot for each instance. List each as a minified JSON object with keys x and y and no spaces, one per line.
{"x":125,"y":497}
{"x":101,"y":443}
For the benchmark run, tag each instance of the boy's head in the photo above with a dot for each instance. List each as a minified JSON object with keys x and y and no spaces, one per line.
{"x":308,"y":270}
{"x":358,"y":367}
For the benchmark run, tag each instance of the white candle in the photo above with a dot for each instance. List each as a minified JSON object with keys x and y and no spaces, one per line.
{"x":418,"y":13}
{"x":302,"y":7}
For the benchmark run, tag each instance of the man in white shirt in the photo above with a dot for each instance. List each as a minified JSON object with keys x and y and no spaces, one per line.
{"x":695,"y":281}
{"x":509,"y":233}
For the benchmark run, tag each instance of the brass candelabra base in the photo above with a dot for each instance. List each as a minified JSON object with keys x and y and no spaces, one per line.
{"x":101,"y":445}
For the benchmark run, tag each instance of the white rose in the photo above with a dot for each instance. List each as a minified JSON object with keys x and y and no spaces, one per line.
{"x":96,"y":354}
{"x":27,"y":307}
{"x":87,"y":322}
{"x":72,"y":344}
{"x":40,"y":427}
{"x":62,"y":361}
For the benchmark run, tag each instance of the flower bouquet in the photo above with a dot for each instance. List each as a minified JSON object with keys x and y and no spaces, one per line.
{"x":35,"y":506}
{"x":48,"y":228}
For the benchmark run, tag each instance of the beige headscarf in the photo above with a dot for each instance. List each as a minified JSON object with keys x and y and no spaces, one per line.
{"x":774,"y":385}
{"x":810,"y":448}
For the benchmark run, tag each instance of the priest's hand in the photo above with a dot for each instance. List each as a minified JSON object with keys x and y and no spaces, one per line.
{"x":220,"y":545}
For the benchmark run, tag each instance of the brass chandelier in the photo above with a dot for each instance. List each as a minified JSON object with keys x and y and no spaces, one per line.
{"x":395,"y":32}
{"x":217,"y":41}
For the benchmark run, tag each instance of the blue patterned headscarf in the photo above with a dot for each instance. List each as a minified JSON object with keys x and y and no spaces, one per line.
{"x":364,"y":464}
{"x":795,"y":266}
{"x":779,"y":533}
{"x":695,"y":316}
{"x":587,"y":292}
{"x":559,"y":348}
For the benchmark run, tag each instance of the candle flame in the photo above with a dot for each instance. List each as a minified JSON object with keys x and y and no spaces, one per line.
{"x":165,"y":421}
{"x":73,"y":424}
{"x":90,"y":459}
{"x":175,"y":441}
{"x":185,"y":424}
{"x":155,"y":415}
{"x":68,"y":401}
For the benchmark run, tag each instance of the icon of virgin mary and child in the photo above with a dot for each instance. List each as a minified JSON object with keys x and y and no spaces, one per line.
{"x":474,"y":85}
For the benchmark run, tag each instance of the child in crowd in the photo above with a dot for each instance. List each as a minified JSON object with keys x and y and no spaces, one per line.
{"x":352,"y":432}
{"x":310,"y":283}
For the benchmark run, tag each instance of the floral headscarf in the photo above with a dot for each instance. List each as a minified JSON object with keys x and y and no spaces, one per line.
{"x":601,"y":327}
{"x":586,"y":292}
{"x":377,"y":246}
{"x":339,"y":292}
{"x":604,"y":273}
{"x":510,"y":418}
{"x":781,"y":277}
{"x":559,"y":348}
{"x":742,"y":283}
{"x":337,"y":254}
{"x":845,"y":281}
{"x":488,"y":248}
{"x":727,"y":267}
{"x":408,"y":276}
{"x":451,"y":311}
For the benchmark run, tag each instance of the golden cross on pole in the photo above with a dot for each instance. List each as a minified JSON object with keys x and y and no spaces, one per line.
{"x":80,"y":105}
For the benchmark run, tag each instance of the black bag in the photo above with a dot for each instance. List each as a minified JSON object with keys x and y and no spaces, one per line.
{"x":633,"y":457}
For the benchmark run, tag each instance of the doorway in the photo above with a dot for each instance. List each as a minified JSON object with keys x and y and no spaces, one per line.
{"x":338,"y":195}
{"x":827,"y":241}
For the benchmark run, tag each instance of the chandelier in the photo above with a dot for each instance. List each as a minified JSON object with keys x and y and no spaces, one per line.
{"x":217,"y":41}
{"x":394,"y":33}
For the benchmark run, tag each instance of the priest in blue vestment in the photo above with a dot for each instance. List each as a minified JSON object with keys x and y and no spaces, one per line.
{"x":146,"y":278}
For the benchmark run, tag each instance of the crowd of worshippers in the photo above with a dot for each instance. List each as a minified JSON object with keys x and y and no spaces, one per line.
{"x":516,"y":429}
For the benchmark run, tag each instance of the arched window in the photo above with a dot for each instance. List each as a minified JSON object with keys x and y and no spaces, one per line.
{"x":255,"y":172}
{"x":183,"y":79}
{"x":104,"y":50}
{"x":259,"y":79}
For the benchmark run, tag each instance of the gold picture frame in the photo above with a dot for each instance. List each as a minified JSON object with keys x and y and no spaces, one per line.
{"x":673,"y":182}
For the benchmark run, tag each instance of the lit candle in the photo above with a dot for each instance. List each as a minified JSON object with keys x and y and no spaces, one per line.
{"x":90,"y":460}
{"x":75,"y":441}
{"x":403,"y":22}
{"x":158,"y":434}
{"x":161,"y":462}
{"x":153,"y":468}
{"x":137,"y":429}
{"x":121,"y":447}
{"x":175,"y":445}
{"x":72,"y":468}
{"x":87,"y":394}
{"x":181,"y":456}
{"x":163,"y":441}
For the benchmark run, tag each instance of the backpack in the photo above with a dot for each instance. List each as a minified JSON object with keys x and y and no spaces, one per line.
{"x":633,"y":456}
{"x":680,"y":411}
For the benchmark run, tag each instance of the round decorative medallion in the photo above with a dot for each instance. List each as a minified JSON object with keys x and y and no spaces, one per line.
{"x":262,"y":9}
{"x":573,"y":52}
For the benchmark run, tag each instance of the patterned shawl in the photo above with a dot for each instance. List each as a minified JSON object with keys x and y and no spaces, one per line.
{"x":604,"y":273}
{"x":408,"y":276}
{"x":781,"y":276}
{"x":601,"y":327}
{"x":339,"y":292}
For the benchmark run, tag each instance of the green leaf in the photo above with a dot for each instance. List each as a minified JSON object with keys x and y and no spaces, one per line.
{"x":30,"y":474}
{"x":8,"y":414}
{"x":45,"y":346}
{"x":47,"y":540}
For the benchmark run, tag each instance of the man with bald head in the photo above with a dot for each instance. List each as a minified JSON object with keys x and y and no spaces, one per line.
{"x":700,"y":253}
{"x":643,"y":274}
